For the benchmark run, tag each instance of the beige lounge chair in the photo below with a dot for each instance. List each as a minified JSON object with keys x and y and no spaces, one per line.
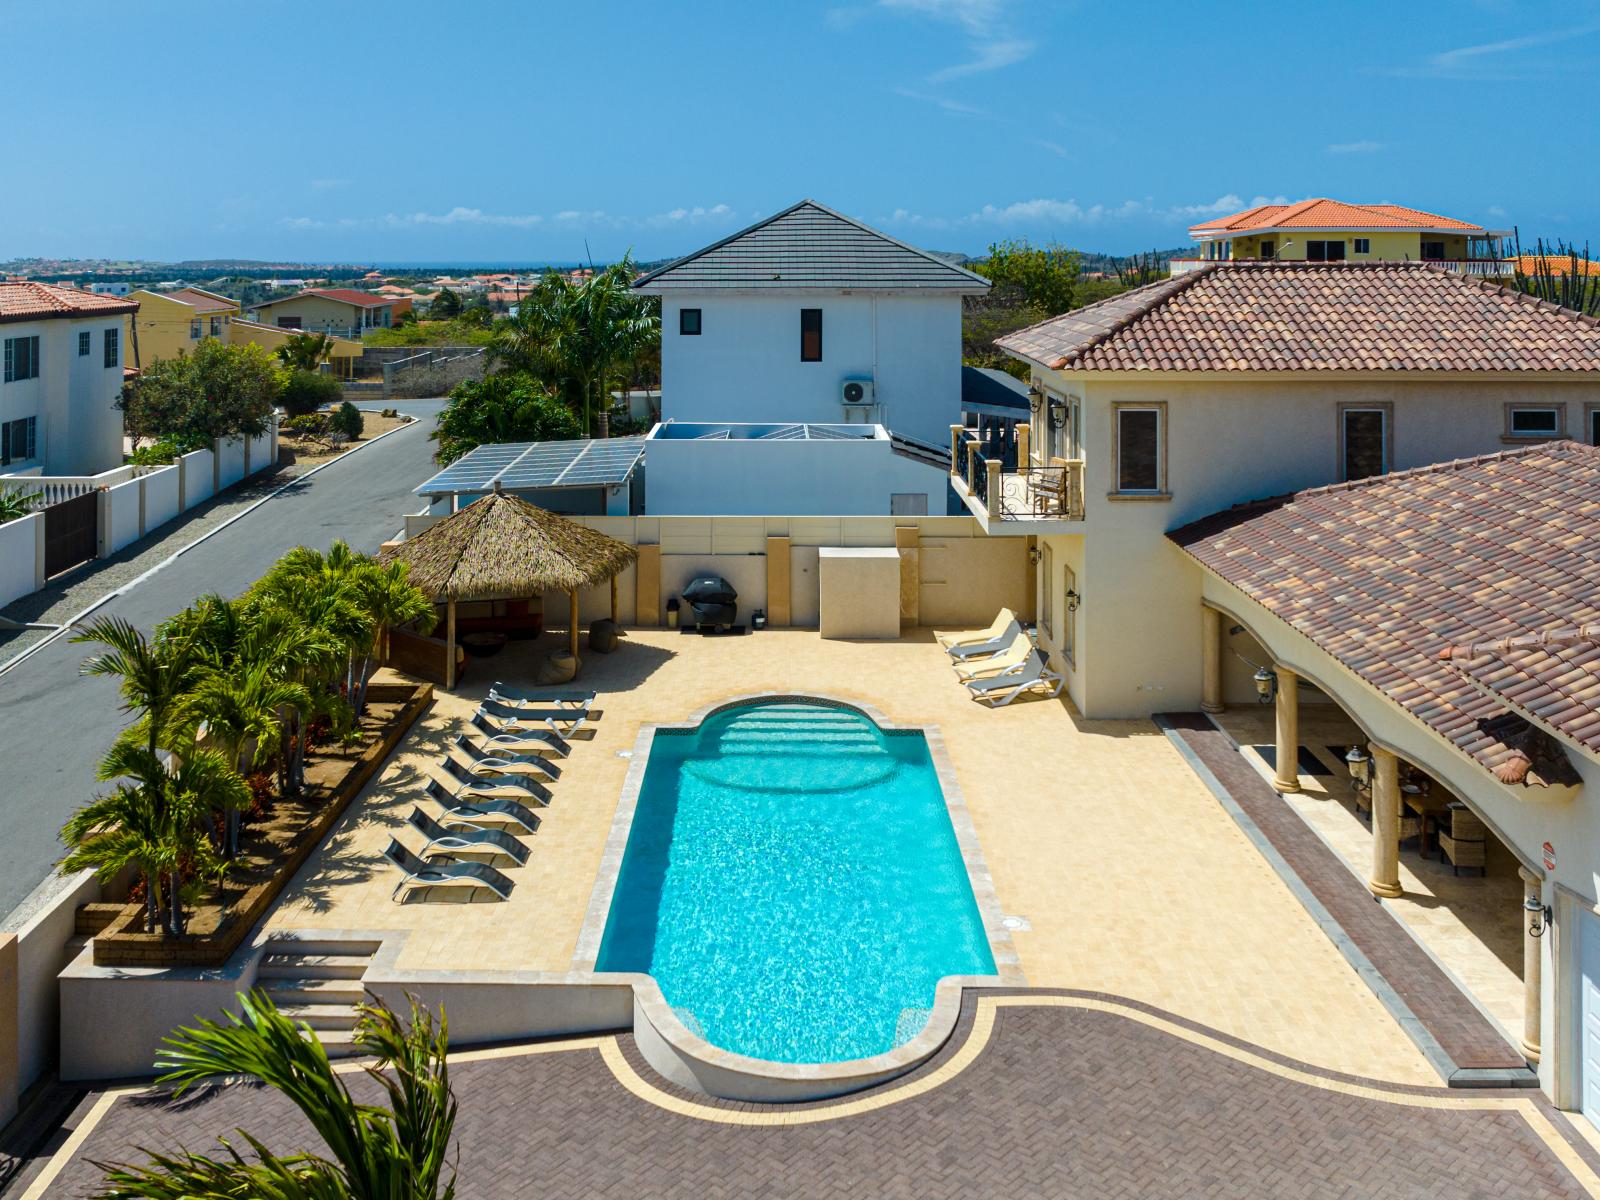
{"x":999,"y":625}
{"x":1012,"y":656}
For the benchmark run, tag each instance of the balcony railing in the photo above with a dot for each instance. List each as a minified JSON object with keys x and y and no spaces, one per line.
{"x":1030,"y":493}
{"x":1485,"y":267}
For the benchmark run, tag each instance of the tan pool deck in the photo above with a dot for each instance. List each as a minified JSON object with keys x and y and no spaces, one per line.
{"x":1131,"y":878}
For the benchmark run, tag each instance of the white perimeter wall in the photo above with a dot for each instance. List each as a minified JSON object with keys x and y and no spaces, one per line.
{"x":161,"y":496}
{"x":197,"y":477}
{"x":230,"y":462}
{"x":17,"y":557}
{"x":809,"y":478}
{"x":119,"y":509}
{"x":745,"y":364}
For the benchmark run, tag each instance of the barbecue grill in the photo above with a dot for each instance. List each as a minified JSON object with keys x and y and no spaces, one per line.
{"x":712,"y":600}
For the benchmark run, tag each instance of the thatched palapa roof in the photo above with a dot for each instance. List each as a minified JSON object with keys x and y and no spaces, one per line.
{"x":502,"y":547}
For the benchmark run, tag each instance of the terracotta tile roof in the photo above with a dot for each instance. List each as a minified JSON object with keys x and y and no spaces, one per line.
{"x":344,"y":295}
{"x":1555,"y":264}
{"x":1278,"y":316}
{"x":1384,"y":574}
{"x":1551,"y":677}
{"x":1322,"y":213}
{"x":28,"y":300}
{"x":201,"y":300}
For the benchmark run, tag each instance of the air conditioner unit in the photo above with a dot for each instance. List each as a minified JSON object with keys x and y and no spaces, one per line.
{"x":856,"y":393}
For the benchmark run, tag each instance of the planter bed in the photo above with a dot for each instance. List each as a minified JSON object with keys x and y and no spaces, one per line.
{"x":272,"y":848}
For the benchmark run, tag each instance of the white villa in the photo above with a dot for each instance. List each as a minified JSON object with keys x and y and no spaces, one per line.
{"x":63,"y":374}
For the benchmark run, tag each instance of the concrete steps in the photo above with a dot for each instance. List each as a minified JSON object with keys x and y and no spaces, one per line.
{"x":318,"y":981}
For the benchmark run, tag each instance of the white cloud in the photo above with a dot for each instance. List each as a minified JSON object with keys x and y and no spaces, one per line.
{"x":301,"y":223}
{"x":1055,"y":148}
{"x":1494,"y":210}
{"x":1055,"y":211}
{"x":992,"y":45}
{"x":990,"y":56}
{"x":462,"y":216}
{"x":1487,"y":60}
{"x":948,"y":105}
{"x":1354,"y":147}
{"x":691,"y":216}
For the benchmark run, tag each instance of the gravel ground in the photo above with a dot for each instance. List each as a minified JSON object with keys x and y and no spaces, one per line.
{"x":71,"y":592}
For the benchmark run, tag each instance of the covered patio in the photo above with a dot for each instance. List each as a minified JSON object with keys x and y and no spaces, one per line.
{"x":501,"y":548}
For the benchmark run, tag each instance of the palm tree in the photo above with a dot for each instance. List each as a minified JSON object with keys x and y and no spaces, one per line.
{"x":389,"y":599}
{"x":155,"y":675}
{"x":305,"y":351}
{"x":116,"y":832}
{"x":398,"y":1151}
{"x":15,"y":503}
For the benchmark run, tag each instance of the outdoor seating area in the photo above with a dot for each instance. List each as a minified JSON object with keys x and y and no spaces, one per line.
{"x":1001,"y":662}
{"x":483,"y":793}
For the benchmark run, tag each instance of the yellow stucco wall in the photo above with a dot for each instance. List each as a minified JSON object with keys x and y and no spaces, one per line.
{"x":1387,"y":247}
{"x":314,"y":312}
{"x":163,"y":327}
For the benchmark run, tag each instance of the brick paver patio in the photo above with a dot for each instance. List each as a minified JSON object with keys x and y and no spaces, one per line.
{"x":1061,"y":1101}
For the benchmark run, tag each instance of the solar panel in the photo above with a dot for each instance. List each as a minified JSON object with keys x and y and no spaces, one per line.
{"x":528,"y":465}
{"x":604,"y":462}
{"x":541,"y":464}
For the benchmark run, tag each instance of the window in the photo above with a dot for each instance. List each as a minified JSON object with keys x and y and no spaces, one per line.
{"x":17,"y":440}
{"x":194,"y":330}
{"x":1594,"y":425}
{"x":1269,"y":248}
{"x":689,"y":322}
{"x":1531,"y":422}
{"x":1047,"y":593}
{"x":1140,"y":462}
{"x":1362,"y":245}
{"x":810,"y":335}
{"x":908,"y":504}
{"x":1069,"y":620}
{"x":1325,"y":251}
{"x":288,"y":322}
{"x":1433,"y":251}
{"x":113,"y":348}
{"x":84,"y":339}
{"x":22,"y":359}
{"x":216,"y":326}
{"x":1364,"y":442}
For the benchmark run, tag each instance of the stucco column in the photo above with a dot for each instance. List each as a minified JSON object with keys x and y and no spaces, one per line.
{"x":1210,"y":660}
{"x":1532,"y":967}
{"x":1385,"y":879}
{"x":1288,"y":713}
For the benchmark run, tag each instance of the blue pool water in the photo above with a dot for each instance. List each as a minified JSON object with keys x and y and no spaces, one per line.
{"x":793,"y":883}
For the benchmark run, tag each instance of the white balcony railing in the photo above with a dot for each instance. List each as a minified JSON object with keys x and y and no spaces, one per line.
{"x":1483,"y":267}
{"x":1030,"y":492}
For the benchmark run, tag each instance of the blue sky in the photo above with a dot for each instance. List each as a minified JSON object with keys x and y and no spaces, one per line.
{"x":503,"y":130}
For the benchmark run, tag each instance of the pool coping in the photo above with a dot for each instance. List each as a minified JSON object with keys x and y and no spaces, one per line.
{"x":802,"y":1080}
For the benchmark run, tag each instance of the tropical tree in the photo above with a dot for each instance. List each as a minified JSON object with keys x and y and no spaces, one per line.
{"x":15,"y":503}
{"x":389,"y":599}
{"x":305,"y":351}
{"x":445,"y":305}
{"x":155,"y":675}
{"x":217,"y":391}
{"x":506,"y":407}
{"x":397,"y":1151}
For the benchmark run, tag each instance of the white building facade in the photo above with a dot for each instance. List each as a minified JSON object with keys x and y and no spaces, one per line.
{"x":62,"y":376}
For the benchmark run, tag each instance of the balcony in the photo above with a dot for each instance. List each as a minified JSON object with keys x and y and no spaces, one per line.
{"x":1488,"y":268}
{"x":1031,"y":499}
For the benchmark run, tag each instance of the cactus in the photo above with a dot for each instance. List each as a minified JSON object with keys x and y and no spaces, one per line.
{"x":1574,"y":287}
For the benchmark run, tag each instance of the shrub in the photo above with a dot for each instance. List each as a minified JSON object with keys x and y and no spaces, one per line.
{"x":164,"y":451}
{"x":508,"y":407}
{"x":306,"y":391}
{"x":348,"y":420}
{"x":218,"y":391}
{"x":308,"y":424}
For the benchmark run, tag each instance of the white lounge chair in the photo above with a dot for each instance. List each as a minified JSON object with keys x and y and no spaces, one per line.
{"x":560,"y":697}
{"x":985,"y":649}
{"x":521,"y":741}
{"x":472,"y":811}
{"x":496,"y":760}
{"x":973,"y":636}
{"x":568,"y":722}
{"x":470,"y":838}
{"x":1000,"y":690}
{"x":1015,"y":654}
{"x":463,"y":782}
{"x":418,"y":872}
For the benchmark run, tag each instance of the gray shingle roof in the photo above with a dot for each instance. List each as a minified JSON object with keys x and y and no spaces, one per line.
{"x":809,"y":246}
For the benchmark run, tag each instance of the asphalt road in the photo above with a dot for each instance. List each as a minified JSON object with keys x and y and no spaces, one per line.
{"x":55,"y":724}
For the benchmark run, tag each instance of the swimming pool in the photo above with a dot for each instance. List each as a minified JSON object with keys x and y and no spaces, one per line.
{"x":793,"y":883}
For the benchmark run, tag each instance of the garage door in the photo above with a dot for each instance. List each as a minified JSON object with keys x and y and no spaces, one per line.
{"x":1589,"y":954}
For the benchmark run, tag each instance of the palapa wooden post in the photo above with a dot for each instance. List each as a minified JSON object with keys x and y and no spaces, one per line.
{"x":450,"y":645}
{"x":613,"y":598}
{"x":574,"y":623}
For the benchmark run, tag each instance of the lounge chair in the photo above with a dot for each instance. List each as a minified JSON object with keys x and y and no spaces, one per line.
{"x":560,"y":697}
{"x":1014,"y":655}
{"x":522,"y":741}
{"x":472,"y":811}
{"x":1002,"y":689}
{"x":986,"y":649}
{"x":497,"y":761}
{"x":568,"y":722}
{"x":470,"y":839}
{"x":417,"y":872}
{"x":972,"y":637}
{"x":463,"y":782}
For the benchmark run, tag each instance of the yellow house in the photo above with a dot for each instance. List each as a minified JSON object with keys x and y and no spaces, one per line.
{"x":342,"y":311}
{"x":342,"y":354}
{"x":1323,"y":230}
{"x":172,"y":323}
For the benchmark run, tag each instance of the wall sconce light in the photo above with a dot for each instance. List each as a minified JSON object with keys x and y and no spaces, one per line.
{"x":1360,"y":763}
{"x":1035,"y":399}
{"x":1073,"y":600}
{"x":1539,"y":916}
{"x":1034,"y":556}
{"x":1058,"y":412}
{"x":1266,"y":685}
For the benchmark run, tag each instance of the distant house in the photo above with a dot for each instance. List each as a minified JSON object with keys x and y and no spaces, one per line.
{"x":168,"y":324}
{"x":110,"y":289}
{"x":342,"y":311}
{"x":1324,"y":230}
{"x":810,"y":316}
{"x":62,"y":376}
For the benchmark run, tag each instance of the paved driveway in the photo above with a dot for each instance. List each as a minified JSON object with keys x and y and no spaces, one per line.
{"x":57,"y":724}
{"x":1039,"y":1094}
